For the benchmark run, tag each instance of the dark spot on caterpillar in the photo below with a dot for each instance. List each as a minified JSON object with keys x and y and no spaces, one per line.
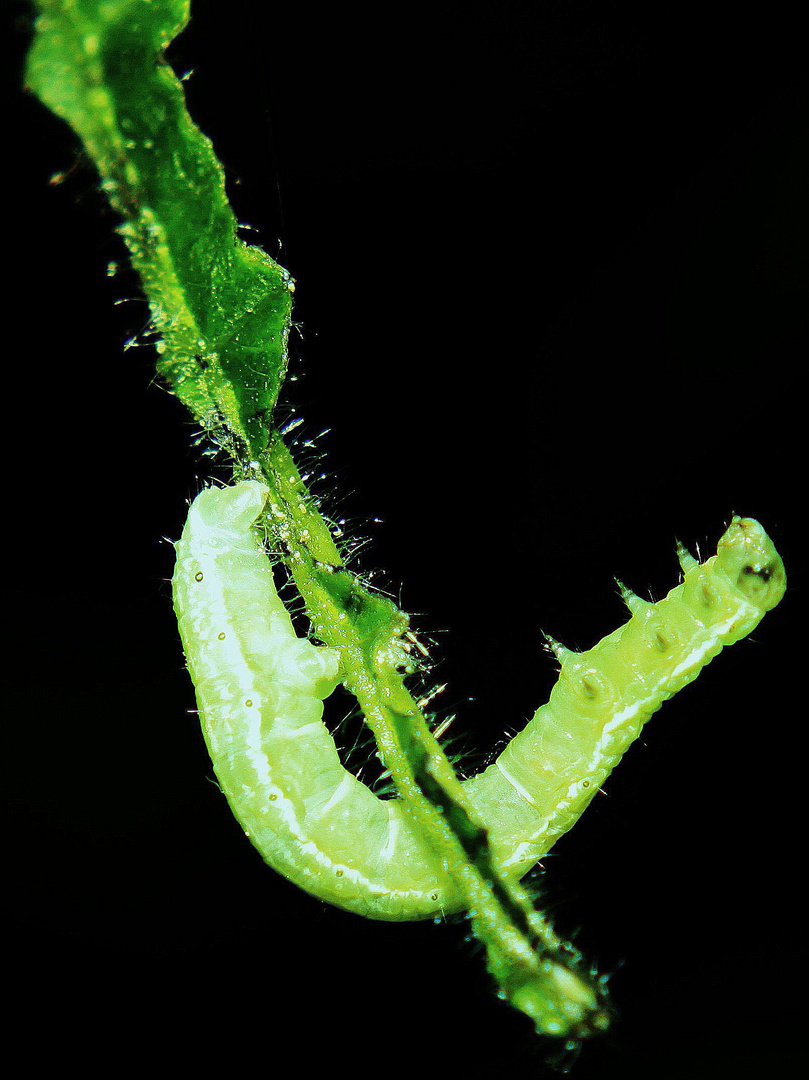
{"x":663,"y":644}
{"x":202,"y":362}
{"x":764,"y":585}
{"x":707,"y":596}
{"x":198,"y":576}
{"x":585,"y":681}
{"x":590,"y":688}
{"x":765,"y":572}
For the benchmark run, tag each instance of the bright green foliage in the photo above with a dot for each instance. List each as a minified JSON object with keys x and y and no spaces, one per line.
{"x":221,"y":308}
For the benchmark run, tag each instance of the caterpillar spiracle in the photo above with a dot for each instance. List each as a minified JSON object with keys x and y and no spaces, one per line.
{"x":260,"y":691}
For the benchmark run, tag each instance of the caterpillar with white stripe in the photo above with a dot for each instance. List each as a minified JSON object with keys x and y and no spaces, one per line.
{"x":260,"y":691}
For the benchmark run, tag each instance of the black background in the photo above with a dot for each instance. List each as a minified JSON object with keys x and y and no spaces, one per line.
{"x":551,"y":266}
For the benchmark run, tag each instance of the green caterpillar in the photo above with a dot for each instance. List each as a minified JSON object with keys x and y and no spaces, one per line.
{"x":260,"y":691}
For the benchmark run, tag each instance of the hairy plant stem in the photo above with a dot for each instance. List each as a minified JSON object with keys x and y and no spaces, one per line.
{"x":521,"y":946}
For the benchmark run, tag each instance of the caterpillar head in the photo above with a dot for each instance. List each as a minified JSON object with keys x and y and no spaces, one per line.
{"x":747,"y":557}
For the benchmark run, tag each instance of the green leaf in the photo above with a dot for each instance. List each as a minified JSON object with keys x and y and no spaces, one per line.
{"x":221,"y":307}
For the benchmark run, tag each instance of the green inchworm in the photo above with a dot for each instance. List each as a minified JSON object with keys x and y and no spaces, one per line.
{"x":260,"y":691}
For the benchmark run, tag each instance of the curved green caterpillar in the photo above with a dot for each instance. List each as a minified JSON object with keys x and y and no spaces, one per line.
{"x":260,"y":692}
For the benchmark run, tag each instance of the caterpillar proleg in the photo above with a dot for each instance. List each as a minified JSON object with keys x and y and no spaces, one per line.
{"x":260,"y":692}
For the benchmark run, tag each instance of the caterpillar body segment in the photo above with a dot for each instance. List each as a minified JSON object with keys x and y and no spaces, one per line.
{"x":604,"y":696}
